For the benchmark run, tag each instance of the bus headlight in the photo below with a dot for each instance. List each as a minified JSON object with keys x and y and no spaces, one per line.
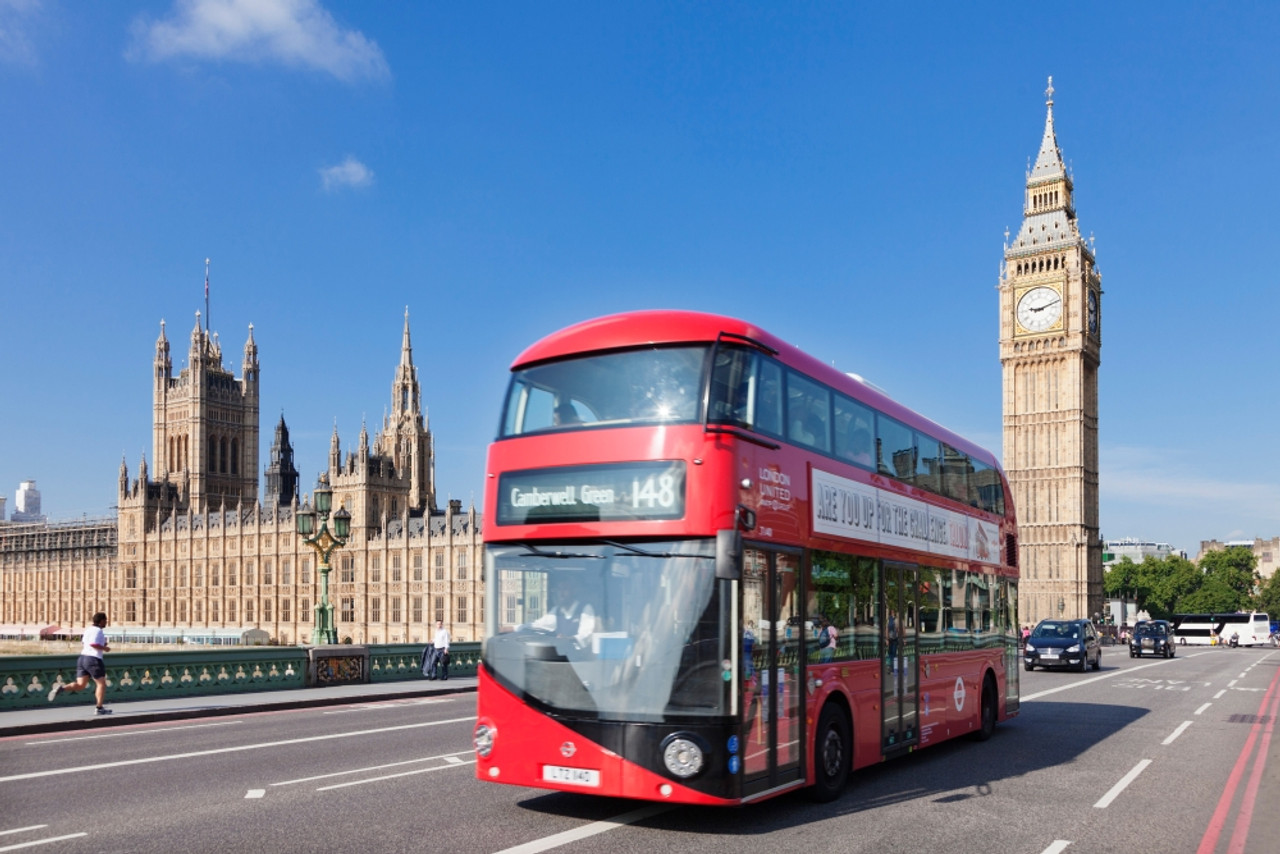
{"x":483,"y":737}
{"x":683,"y":756}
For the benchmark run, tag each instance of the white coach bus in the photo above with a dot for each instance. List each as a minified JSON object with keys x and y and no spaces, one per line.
{"x":1251,"y":628}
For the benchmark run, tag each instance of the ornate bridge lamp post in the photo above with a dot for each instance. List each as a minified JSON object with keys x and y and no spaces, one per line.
{"x":325,"y":543}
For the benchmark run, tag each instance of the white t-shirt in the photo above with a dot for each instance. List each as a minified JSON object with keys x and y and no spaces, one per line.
{"x":93,"y":635}
{"x":442,"y":639}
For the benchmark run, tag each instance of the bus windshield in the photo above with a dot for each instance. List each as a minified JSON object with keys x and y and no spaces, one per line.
{"x":651,"y":386}
{"x":610,"y":630}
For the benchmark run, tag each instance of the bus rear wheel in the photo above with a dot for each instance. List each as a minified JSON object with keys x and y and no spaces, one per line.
{"x":832,"y":754}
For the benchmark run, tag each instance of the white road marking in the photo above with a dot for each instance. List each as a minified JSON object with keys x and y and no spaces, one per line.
{"x":392,"y":776}
{"x":363,"y":770}
{"x":1079,"y":682}
{"x":45,"y":741}
{"x":1058,"y":846}
{"x":238,"y":749}
{"x":1105,"y":800}
{"x":1177,"y":732}
{"x":255,"y":793}
{"x":36,"y":842}
{"x":587,"y":830}
{"x":23,"y":829}
{"x":387,"y":704}
{"x":1202,"y":708}
{"x":1218,"y":696}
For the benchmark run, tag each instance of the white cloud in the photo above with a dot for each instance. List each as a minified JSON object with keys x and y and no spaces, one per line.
{"x":348,"y":173}
{"x":295,"y":33}
{"x":16,"y":17}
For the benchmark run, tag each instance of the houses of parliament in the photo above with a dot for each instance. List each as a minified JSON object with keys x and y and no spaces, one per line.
{"x":196,"y":547}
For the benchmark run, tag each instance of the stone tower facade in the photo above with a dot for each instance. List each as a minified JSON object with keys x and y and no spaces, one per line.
{"x":1050,"y":350}
{"x":205,"y":423}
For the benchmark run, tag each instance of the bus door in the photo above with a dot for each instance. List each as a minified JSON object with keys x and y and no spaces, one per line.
{"x":900,"y":687}
{"x":773,"y":649}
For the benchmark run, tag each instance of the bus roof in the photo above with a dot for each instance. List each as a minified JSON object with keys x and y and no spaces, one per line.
{"x":668,"y":327}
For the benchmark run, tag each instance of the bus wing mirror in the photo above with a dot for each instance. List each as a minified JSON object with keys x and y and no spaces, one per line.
{"x":729,"y":554}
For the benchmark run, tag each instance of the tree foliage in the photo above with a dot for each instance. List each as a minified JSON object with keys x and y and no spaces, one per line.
{"x":1222,"y":582}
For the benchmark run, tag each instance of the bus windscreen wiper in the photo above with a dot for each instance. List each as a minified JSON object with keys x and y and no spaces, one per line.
{"x":643,"y":552}
{"x":534,"y":551}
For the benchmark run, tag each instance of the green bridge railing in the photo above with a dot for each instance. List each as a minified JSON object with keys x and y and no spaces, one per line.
{"x":25,"y":680}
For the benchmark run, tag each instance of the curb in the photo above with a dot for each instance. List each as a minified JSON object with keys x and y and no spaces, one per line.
{"x":126,"y":718}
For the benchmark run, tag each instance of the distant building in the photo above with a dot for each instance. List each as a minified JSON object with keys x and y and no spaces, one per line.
{"x":26,"y":504}
{"x":196,"y":545}
{"x":1113,"y":551}
{"x":1266,"y":551}
{"x":2,"y":516}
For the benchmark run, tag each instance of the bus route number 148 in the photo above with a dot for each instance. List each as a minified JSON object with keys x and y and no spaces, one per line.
{"x":654,"y":492}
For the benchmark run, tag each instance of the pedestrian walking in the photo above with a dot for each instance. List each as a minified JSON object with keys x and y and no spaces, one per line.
{"x":90,"y":665}
{"x":442,"y":650}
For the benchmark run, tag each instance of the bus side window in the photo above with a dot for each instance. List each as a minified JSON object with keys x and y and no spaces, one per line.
{"x":768,"y":415}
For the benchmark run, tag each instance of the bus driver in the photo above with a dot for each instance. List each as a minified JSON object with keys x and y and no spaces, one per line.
{"x":569,"y":616}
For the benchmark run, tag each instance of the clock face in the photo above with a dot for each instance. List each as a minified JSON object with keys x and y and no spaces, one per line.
{"x":1039,"y":309}
{"x":1093,"y":313}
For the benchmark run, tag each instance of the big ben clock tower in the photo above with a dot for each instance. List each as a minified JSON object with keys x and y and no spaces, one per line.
{"x":1050,"y":349}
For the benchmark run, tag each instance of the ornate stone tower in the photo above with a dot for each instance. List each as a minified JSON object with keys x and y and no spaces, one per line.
{"x":1050,"y":349}
{"x":205,"y":423}
{"x":282,"y":476}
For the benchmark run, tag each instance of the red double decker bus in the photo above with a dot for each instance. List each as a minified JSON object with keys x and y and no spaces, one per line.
{"x":718,"y":569}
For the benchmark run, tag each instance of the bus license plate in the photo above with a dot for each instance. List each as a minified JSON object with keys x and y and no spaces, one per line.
{"x":573,"y":776}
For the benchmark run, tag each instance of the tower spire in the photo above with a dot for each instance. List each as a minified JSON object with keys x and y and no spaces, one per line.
{"x":206,"y":292}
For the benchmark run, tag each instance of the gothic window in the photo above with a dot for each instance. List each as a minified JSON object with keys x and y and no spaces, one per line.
{"x":266,"y":572}
{"x":213,"y":456}
{"x":395,"y":609}
{"x":375,"y":609}
{"x":348,"y":610}
{"x":231,"y":611}
{"x":304,"y":607}
{"x":231,"y":577}
{"x":222,"y":455}
{"x":439,"y":566}
{"x":415,"y":609}
{"x":439,"y":607}
{"x":266,"y":610}
{"x":462,"y":609}
{"x":286,"y":572}
{"x":285,"y":611}
{"x":248,"y":573}
{"x":213,"y":612}
{"x":198,"y":612}
{"x":235,"y":456}
{"x":306,"y":571}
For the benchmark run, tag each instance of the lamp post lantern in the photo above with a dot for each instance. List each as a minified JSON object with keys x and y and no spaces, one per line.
{"x":325,"y":542}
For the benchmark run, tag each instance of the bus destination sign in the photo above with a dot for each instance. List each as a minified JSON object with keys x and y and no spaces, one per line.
{"x":612,"y":492}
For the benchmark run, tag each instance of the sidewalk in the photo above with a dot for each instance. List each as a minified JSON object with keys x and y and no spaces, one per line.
{"x":76,"y":711}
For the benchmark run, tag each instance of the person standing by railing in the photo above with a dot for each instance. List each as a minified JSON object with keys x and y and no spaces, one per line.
{"x":442,"y":650}
{"x":90,"y":665}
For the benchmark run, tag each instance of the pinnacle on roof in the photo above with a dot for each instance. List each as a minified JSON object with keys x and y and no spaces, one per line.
{"x":1049,"y":160}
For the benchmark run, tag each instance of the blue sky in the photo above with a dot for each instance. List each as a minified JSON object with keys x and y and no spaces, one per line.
{"x":842,"y":173}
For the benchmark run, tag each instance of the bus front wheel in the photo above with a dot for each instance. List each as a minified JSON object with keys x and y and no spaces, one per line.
{"x":987,"y":714}
{"x":832,"y":754}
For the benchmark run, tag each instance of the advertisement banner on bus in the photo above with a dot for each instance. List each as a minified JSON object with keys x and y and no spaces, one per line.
{"x":856,"y":511}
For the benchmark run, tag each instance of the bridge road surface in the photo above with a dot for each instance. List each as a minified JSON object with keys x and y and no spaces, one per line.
{"x":1145,"y":755}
